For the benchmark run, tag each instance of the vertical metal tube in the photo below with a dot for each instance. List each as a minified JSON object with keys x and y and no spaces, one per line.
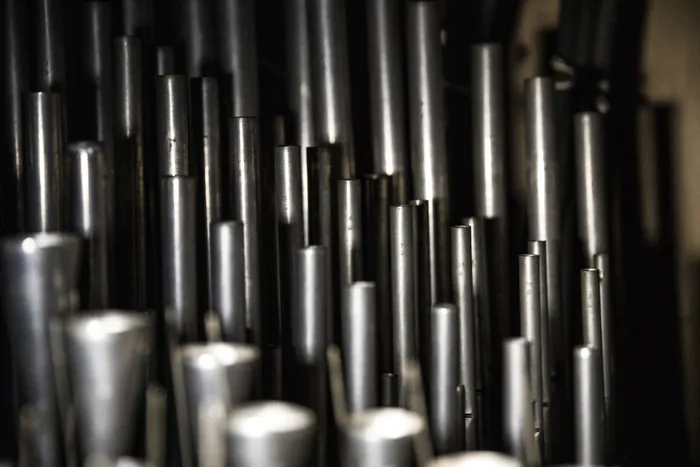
{"x":389,"y":390}
{"x":270,"y":433}
{"x":50,"y":48}
{"x":246,"y":173}
{"x":228,"y":279}
{"x":590,"y":184}
{"x":386,"y":82}
{"x":87,"y":217}
{"x":137,"y":18}
{"x":589,"y":406}
{"x":360,"y":346}
{"x":43,"y":168}
{"x":107,"y":355}
{"x":238,"y":56}
{"x":403,"y":265}
{"x":424,"y":299}
{"x":165,"y":61}
{"x":602,"y":262}
{"x":590,"y":308}
{"x":350,"y":245}
{"x":156,"y":419}
{"x":444,"y":379}
{"x":173,"y":129}
{"x":179,"y":237}
{"x":130,"y":192}
{"x":279,"y":130}
{"x":206,"y":150}
{"x":200,"y":48}
{"x":482,"y":303}
{"x":427,"y":115}
{"x":39,"y":273}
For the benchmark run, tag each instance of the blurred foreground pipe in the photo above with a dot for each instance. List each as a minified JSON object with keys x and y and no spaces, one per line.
{"x":228,"y":279}
{"x":476,"y":459}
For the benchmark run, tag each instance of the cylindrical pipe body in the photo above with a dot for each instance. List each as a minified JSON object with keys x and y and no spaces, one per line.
{"x":173,"y":129}
{"x":87,"y":216}
{"x":50,"y":48}
{"x":228,"y":279}
{"x":165,"y":61}
{"x":602,"y":262}
{"x":424,"y":299}
{"x":590,"y":308}
{"x":589,"y":408}
{"x":350,"y":245}
{"x":482,"y":302}
{"x":200,"y":43}
{"x":530,"y":293}
{"x":179,"y":243}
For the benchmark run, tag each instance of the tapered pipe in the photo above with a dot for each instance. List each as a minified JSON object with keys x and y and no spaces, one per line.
{"x":482,"y":301}
{"x":228,"y":279}
{"x":330,"y":77}
{"x":87,"y":216}
{"x":360,"y":346}
{"x":165,"y":61}
{"x":590,"y":308}
{"x":270,"y":433}
{"x":589,"y":407}
{"x":489,"y":130}
{"x":238,"y":56}
{"x":518,"y":436}
{"x":462,"y":288}
{"x":403,"y":271}
{"x":206,"y":151}
{"x":39,"y":273}
{"x":350,"y":245}
{"x":179,"y":255}
{"x":130,"y":192}
{"x":43,"y":169}
{"x":381,"y":437}
{"x":424,"y":299}
{"x":602,"y":262}
{"x":50,"y":48}
{"x":427,"y":115}
{"x":243,"y":134}
{"x":376,"y":199}
{"x":444,"y":378}
{"x":476,"y":459}
{"x":107,"y":355}
{"x":173,"y":129}
{"x":386,"y":83}
{"x":200,"y":47}
{"x":590,"y":184}
{"x":220,"y":373}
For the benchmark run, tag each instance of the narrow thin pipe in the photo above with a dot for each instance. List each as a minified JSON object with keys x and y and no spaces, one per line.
{"x":179,"y":255}
{"x":482,"y":302}
{"x":246,"y":173}
{"x":228,"y":279}
{"x":350,"y":245}
{"x":360,"y":346}
{"x":387,"y":89}
{"x":444,"y":378}
{"x":200,"y":44}
{"x":173,"y":128}
{"x":50,"y":48}
{"x":591,"y":308}
{"x":589,"y":406}
{"x":279,"y":130}
{"x":330,"y":77}
{"x":424,"y":298}
{"x":602,"y":262}
{"x":165,"y":61}
{"x":87,"y":216}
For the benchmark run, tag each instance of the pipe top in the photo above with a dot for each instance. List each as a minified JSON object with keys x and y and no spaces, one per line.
{"x":385,"y":424}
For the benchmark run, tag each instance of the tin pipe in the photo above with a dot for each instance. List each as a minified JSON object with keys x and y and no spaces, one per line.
{"x":590,"y":308}
{"x":350,"y":246}
{"x":200,"y":43}
{"x":165,"y":61}
{"x":50,"y":48}
{"x":173,"y":129}
{"x":228,"y":279}
{"x":589,"y":406}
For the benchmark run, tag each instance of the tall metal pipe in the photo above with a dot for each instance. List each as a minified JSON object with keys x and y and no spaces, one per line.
{"x":50,"y":48}
{"x":87,"y":216}
{"x":330,"y":76}
{"x":238,"y":56}
{"x":350,"y":245}
{"x":179,"y":255}
{"x":590,"y":184}
{"x":165,"y":61}
{"x":444,"y":378}
{"x":424,"y":298}
{"x":39,"y":274}
{"x":590,"y":308}
{"x":228,"y":279}
{"x":107,"y":354}
{"x":427,"y":117}
{"x":270,"y":433}
{"x":173,"y":129}
{"x":360,"y":346}
{"x":200,"y":41}
{"x":44,"y":162}
{"x":386,"y":83}
{"x":602,"y":262}
{"x":589,"y":407}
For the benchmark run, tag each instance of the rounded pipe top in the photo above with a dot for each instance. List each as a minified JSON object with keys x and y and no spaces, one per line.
{"x":269,"y":419}
{"x":98,"y":324}
{"x":385,"y":424}
{"x":214,"y":355}
{"x":476,"y":459}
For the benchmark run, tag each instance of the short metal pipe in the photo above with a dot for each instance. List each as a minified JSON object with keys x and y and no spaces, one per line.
{"x":228,"y":279}
{"x":350,"y":245}
{"x":590,"y":308}
{"x":173,"y":128}
{"x":165,"y":61}
{"x":589,"y":422}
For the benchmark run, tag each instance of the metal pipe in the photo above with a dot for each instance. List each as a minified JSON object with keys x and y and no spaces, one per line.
{"x":156,"y":425}
{"x":39,"y":274}
{"x":87,"y":217}
{"x":489,"y":130}
{"x":107,"y":354}
{"x":216,"y":373}
{"x":403,"y":271}
{"x":50,"y":48}
{"x":165,"y":61}
{"x":200,"y":43}
{"x":350,"y":245}
{"x":590,"y":184}
{"x":386,"y":83}
{"x":476,"y":459}
{"x":228,"y":279}
{"x":590,"y":308}
{"x":389,"y":390}
{"x":137,"y":18}
{"x":519,"y":436}
{"x":381,"y":437}
{"x":330,"y":76}
{"x":238,"y":56}
{"x":444,"y":378}
{"x":43,"y":169}
{"x":245,"y":175}
{"x":424,"y":299}
{"x":279,"y":130}
{"x":173,"y":129}
{"x":206,"y":151}
{"x":179,"y":243}
{"x":427,"y":115}
{"x":360,"y":345}
{"x":602,"y":262}
{"x":130,"y":191}
{"x":589,"y":406}
{"x":270,"y":433}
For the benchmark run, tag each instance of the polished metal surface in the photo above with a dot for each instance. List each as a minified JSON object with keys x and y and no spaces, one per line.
{"x":165,"y":61}
{"x":173,"y":128}
{"x":310,"y":313}
{"x":591,"y":308}
{"x":200,"y":41}
{"x":482,"y":302}
{"x":228,"y":279}
{"x":50,"y":59}
{"x":350,"y":244}
{"x":589,"y":407}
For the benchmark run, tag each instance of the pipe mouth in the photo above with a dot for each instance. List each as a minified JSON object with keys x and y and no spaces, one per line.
{"x":269,"y":418}
{"x":216,"y":354}
{"x":98,"y":324}
{"x":482,"y":459}
{"x":385,"y":424}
